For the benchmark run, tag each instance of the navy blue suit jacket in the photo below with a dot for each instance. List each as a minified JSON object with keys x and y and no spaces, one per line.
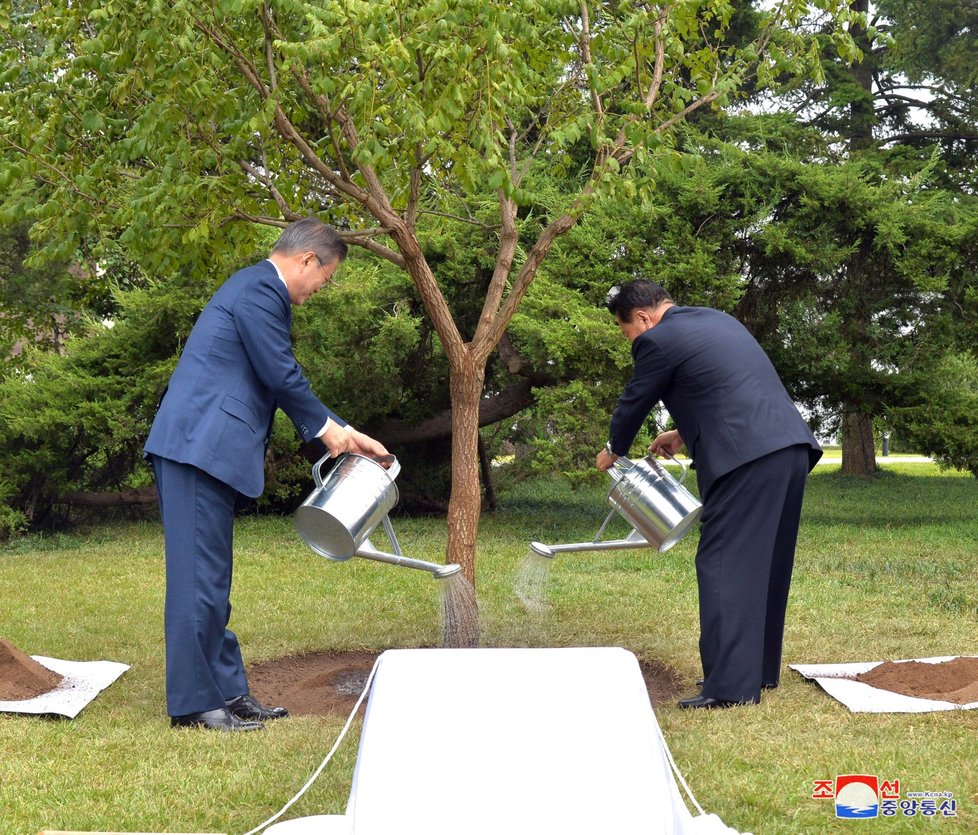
{"x":721,"y":389}
{"x":235,"y":369}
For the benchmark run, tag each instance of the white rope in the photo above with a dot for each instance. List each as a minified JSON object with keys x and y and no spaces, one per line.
{"x":675,"y":770}
{"x":322,"y":765}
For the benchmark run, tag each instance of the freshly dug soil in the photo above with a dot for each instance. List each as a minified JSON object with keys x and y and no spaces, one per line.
{"x":312,"y":684}
{"x":21,"y":677}
{"x":954,"y":681}
{"x":329,"y":683}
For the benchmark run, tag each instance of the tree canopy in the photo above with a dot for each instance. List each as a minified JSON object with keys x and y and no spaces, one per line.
{"x":174,"y":129}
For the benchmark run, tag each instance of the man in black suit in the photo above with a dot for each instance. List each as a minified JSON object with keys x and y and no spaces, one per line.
{"x":752,"y":453}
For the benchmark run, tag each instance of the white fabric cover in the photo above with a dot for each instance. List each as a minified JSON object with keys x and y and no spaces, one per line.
{"x":82,"y":681}
{"x":510,"y":741}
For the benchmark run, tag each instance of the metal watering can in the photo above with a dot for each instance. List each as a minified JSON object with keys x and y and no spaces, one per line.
{"x":338,"y":516}
{"x":657,"y":506}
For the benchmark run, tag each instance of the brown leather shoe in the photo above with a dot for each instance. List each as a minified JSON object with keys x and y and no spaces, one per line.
{"x":219,"y":719}
{"x":248,"y":707}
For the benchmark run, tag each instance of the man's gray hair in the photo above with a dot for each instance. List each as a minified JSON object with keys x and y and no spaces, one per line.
{"x":312,"y":235}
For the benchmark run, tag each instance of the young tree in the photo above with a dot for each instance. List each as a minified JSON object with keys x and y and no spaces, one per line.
{"x":167,"y":122}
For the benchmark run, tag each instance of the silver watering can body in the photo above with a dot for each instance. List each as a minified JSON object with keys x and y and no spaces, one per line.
{"x":657,"y":506}
{"x":338,"y":516}
{"x":355,"y":497}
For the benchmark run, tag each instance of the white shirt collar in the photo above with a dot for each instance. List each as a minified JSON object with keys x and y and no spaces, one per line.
{"x":278,"y":272}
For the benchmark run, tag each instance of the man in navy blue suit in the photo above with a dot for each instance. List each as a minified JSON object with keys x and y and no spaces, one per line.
{"x":752,"y":452}
{"x":207,"y":448}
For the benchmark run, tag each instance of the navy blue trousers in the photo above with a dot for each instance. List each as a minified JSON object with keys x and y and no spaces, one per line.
{"x":203,"y":661}
{"x":746,"y":553}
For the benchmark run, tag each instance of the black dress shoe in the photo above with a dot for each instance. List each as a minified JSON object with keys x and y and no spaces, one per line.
{"x":699,"y":683}
{"x":710,"y":704}
{"x":247,"y":707}
{"x":219,"y":719}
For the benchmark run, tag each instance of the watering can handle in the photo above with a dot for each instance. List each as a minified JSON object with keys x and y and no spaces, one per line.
{"x":620,"y":467}
{"x":685,"y":469}
{"x":622,"y":464}
{"x":392,"y":470}
{"x":316,"y":467}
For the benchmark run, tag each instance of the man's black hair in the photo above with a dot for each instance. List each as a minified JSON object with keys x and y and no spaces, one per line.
{"x":641,"y":292}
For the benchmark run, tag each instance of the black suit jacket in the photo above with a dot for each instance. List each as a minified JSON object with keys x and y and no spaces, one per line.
{"x":721,"y":389}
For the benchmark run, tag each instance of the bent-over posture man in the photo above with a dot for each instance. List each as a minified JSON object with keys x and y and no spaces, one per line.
{"x":752,"y":452}
{"x":207,"y":446}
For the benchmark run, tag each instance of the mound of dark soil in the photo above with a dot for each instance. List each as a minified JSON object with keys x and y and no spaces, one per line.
{"x":21,"y":677}
{"x":954,"y":681}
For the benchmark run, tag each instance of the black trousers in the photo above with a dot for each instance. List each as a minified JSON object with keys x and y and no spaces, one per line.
{"x":744,"y":561}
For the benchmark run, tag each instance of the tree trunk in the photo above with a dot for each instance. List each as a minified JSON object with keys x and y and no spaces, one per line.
{"x":858,"y":445}
{"x":862,"y":109}
{"x":465,"y":504}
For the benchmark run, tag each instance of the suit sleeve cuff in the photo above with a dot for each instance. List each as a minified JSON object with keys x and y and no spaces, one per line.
{"x":322,"y":431}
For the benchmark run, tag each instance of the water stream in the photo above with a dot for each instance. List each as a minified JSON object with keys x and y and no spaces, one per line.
{"x":460,"y":612}
{"x":532,"y":577}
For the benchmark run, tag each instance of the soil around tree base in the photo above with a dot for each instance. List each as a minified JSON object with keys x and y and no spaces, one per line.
{"x":329,"y":683}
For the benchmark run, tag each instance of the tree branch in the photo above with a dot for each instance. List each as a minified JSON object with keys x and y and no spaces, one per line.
{"x":928,"y":134}
{"x":245,"y":67}
{"x":471,"y":221}
{"x":660,"y":62}
{"x":284,"y":125}
{"x":263,"y":178}
{"x":266,"y":20}
{"x":508,"y":402}
{"x":488,"y":336}
{"x":60,"y":174}
{"x":265,"y":220}
{"x":585,"y":40}
{"x":367,"y":242}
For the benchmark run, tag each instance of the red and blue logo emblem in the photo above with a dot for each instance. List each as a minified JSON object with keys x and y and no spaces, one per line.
{"x":857,"y":796}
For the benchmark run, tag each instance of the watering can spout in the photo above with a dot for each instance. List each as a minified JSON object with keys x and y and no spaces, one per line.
{"x":449,"y":570}
{"x":439,"y":572}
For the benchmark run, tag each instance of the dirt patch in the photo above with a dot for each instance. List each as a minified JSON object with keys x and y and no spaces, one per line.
{"x":329,"y":683}
{"x":21,"y":677}
{"x":954,"y":681}
{"x":312,"y":684}
{"x":663,"y":684}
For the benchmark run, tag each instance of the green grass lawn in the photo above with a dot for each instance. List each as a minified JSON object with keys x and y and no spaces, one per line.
{"x":886,"y":569}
